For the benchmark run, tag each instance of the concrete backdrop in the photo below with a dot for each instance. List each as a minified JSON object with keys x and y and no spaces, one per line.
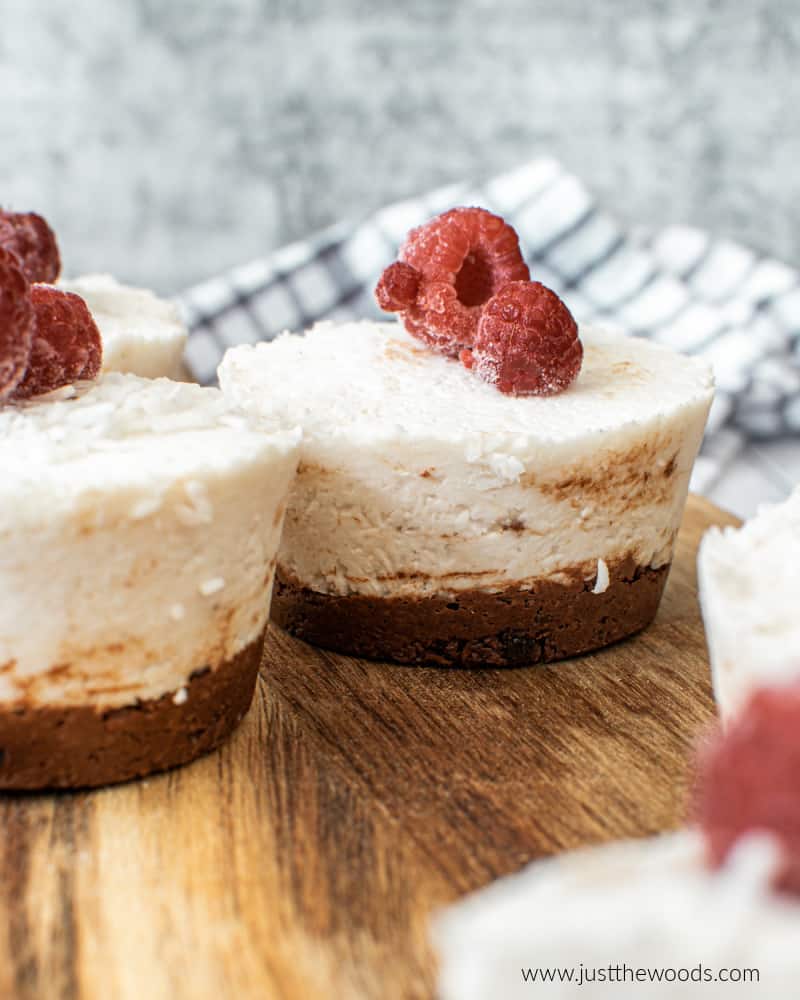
{"x":167,"y":139}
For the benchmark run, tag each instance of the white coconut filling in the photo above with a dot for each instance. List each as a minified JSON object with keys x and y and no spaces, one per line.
{"x":416,"y":477}
{"x":139,"y":522}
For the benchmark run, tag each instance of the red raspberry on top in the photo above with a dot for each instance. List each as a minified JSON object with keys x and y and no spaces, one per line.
{"x":527,"y":342}
{"x":16,"y":324}
{"x":749,"y":780}
{"x":28,"y":236}
{"x":397,"y":287}
{"x":448,"y":269}
{"x":67,"y":346}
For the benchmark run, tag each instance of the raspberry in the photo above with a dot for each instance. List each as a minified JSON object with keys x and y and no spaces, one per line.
{"x":747,"y":781}
{"x":67,"y":345}
{"x":397,"y":287}
{"x":16,"y":324}
{"x":33,"y":241}
{"x":453,"y":266}
{"x":527,"y":342}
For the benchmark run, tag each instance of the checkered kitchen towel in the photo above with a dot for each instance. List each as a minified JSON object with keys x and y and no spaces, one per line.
{"x":703,"y":296}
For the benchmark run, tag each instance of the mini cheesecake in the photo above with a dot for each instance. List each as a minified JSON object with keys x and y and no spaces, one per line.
{"x":142,"y":334}
{"x":139,"y":523}
{"x":614,"y":917}
{"x":749,"y":580}
{"x":435,"y":520}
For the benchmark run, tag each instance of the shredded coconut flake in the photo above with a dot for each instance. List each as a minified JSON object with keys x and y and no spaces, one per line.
{"x":507,"y":467}
{"x":145,"y":507}
{"x":602,"y":581}
{"x":461,"y":519}
{"x":212,"y":586}
{"x":198,"y":508}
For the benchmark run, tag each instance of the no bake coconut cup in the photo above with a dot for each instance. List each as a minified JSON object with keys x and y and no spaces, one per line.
{"x":142,"y":334}
{"x":718,"y":897}
{"x":435,"y":520}
{"x":748,"y":579}
{"x":611,"y":912}
{"x":139,"y":523}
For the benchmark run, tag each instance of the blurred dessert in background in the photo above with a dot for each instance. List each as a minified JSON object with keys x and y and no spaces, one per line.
{"x":694,"y":913}
{"x":749,"y":579}
{"x":142,"y":334}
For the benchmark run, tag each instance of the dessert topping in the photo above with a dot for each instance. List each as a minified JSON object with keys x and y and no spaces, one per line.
{"x":66,"y":346}
{"x":462,"y":287}
{"x":527,"y":342}
{"x":747,"y":781}
{"x":16,"y":324}
{"x":48,"y":337}
{"x":28,"y":235}
{"x":451,"y":267}
{"x":397,"y":287}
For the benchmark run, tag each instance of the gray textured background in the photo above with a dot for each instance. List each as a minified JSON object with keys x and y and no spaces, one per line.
{"x":168,"y":139}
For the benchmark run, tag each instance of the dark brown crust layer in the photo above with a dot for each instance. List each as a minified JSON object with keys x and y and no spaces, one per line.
{"x":512,"y":628}
{"x":79,"y":747}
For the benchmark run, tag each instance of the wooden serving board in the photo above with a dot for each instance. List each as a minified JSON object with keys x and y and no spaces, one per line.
{"x":305,"y":858}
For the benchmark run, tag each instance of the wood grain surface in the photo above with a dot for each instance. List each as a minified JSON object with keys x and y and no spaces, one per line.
{"x":305,"y":858}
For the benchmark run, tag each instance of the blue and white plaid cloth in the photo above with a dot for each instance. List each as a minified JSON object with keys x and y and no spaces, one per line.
{"x":678,"y":286}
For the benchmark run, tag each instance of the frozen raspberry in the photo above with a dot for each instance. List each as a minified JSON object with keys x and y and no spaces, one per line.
{"x":33,"y":241}
{"x":748,"y":780}
{"x":397,"y":287}
{"x":457,"y":261}
{"x":527,"y":342}
{"x":67,"y":345}
{"x":16,"y":324}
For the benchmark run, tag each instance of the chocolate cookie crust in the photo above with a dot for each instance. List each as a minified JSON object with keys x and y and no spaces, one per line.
{"x":511,"y":628}
{"x":80,"y":747}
